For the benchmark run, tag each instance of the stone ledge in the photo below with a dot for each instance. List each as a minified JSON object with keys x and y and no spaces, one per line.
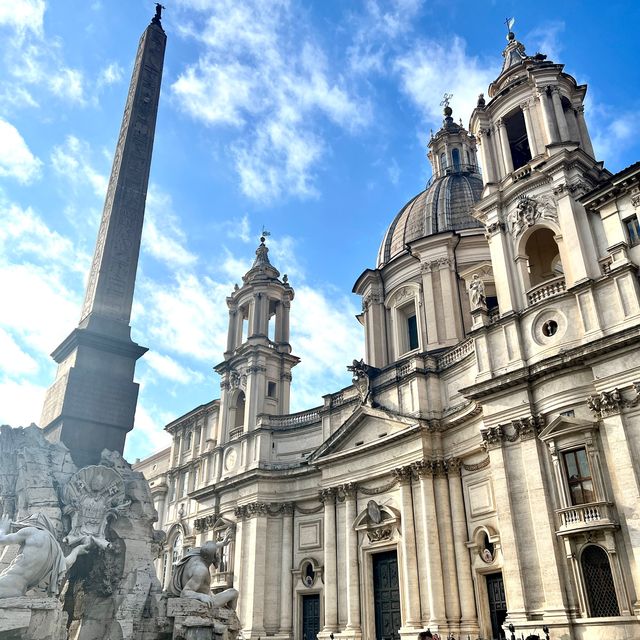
{"x":32,"y":618}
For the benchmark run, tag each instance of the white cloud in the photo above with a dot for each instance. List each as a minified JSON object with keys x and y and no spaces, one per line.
{"x":16,"y":159}
{"x":111,"y":74}
{"x":327,"y":337}
{"x":170,"y":369}
{"x":22,"y":15}
{"x":20,"y":402}
{"x":421,"y":77}
{"x":16,"y":360}
{"x":162,"y":236}
{"x":276,"y":89}
{"x":72,"y":160}
{"x":68,"y":84}
{"x":187,"y":316}
{"x":546,"y":39}
{"x":148,"y":435}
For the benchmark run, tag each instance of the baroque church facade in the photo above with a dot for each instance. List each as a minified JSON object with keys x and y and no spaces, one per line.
{"x":482,"y":469}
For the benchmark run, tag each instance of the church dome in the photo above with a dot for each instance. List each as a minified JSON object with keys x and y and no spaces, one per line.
{"x":445,"y":205}
{"x":447,"y":202}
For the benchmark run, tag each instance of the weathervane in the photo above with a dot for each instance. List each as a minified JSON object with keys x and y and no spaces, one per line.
{"x":264,"y":235}
{"x":510,"y":22}
{"x":445,"y":99}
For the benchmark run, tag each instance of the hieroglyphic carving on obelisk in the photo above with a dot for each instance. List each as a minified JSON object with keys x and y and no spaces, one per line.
{"x":91,"y":405}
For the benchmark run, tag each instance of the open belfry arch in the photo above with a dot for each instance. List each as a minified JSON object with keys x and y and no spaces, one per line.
{"x":481,"y":469}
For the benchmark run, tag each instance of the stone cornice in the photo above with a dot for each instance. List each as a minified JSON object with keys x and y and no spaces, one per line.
{"x":519,"y":429}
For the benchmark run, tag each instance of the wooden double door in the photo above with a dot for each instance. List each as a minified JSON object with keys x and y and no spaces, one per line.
{"x":386,"y":596}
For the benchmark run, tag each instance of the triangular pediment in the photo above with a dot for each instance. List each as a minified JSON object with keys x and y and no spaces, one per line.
{"x":565,"y":425}
{"x":364,"y":427}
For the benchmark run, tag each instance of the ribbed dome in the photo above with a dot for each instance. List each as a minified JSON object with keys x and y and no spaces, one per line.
{"x":445,"y":205}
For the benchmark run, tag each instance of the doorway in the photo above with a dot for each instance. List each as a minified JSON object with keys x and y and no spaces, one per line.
{"x":497,"y":604}
{"x":310,"y":616}
{"x":386,"y":596}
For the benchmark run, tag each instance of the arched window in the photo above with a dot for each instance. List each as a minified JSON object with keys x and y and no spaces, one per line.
{"x":455,"y":155}
{"x":443,"y":161}
{"x":239,"y":416}
{"x":543,"y":256}
{"x":598,"y":580}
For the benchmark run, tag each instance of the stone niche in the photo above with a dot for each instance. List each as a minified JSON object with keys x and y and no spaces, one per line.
{"x":112,"y":592}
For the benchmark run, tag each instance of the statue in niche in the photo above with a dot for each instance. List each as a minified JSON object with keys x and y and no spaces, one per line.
{"x":92,"y":497}
{"x":477,"y":295}
{"x":191,"y":577}
{"x":40,"y":559}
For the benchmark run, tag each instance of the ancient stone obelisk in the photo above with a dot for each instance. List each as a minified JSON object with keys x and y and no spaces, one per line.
{"x":91,"y":405}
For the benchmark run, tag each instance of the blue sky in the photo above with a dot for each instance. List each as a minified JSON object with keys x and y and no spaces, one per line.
{"x":308,"y":118}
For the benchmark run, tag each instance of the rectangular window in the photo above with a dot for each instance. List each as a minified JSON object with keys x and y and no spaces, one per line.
{"x":412,"y":328}
{"x":633,"y":230}
{"x":579,"y":476}
{"x":518,"y":141}
{"x":272,"y":388}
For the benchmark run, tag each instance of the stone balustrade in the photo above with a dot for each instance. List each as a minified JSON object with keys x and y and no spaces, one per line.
{"x":293,"y":419}
{"x":592,"y":515}
{"x":546,"y":289}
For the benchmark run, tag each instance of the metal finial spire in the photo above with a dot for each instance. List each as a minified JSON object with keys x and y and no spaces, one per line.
{"x":264,"y":235}
{"x":510,"y":22}
{"x":445,"y":99}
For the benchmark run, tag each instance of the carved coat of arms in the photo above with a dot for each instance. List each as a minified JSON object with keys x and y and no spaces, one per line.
{"x":92,"y":497}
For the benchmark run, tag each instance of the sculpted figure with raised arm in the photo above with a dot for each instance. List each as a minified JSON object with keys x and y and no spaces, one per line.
{"x":191,"y":577}
{"x":40,"y":559}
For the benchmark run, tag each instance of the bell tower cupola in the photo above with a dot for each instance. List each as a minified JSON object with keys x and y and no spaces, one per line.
{"x":256,"y":371}
{"x":451,"y":150}
{"x":535,"y":110}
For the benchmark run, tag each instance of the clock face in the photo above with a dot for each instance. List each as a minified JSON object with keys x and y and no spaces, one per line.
{"x":230,"y":459}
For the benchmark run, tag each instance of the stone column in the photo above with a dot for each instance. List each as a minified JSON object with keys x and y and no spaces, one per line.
{"x":353,"y":575}
{"x":547,"y":116}
{"x":254,"y":579}
{"x":469,"y":619}
{"x":410,"y":588}
{"x":625,"y":480}
{"x":531,"y":132}
{"x":286,"y":579}
{"x":328,"y":497}
{"x":278,"y":333}
{"x":585,"y":138}
{"x":488,"y":170}
{"x":504,"y":146}
{"x":285,"y":321}
{"x":447,"y":551}
{"x":559,"y":111}
{"x":512,"y":569}
{"x":431,"y":541}
{"x":429,"y":302}
{"x":231,"y":332}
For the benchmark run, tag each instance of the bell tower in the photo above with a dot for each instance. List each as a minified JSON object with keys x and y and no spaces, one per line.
{"x":256,"y":371}
{"x":537,"y":159}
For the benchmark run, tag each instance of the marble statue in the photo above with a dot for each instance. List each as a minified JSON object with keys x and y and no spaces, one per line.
{"x":191,"y":577}
{"x":40,"y":558}
{"x":362,"y":380}
{"x":476,"y":293}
